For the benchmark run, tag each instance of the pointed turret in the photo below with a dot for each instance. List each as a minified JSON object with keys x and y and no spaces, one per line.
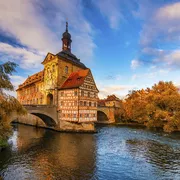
{"x":66,"y":40}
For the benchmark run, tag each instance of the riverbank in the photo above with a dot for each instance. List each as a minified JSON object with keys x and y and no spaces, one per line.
{"x":131,"y":124}
{"x":137,"y":125}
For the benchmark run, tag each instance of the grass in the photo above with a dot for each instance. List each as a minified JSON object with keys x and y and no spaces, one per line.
{"x":3,"y":143}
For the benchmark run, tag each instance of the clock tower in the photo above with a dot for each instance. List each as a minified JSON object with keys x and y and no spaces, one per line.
{"x":66,"y":40}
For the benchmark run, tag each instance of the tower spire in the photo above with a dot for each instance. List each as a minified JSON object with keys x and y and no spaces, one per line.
{"x":66,"y":26}
{"x":66,"y":40}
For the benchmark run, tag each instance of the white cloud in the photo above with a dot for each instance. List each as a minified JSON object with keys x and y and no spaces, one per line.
{"x":172,"y":59}
{"x":25,"y":58}
{"x":169,"y":12}
{"x":118,"y":90}
{"x":163,"y":25}
{"x":156,"y":73}
{"x":135,"y":64}
{"x":39,"y":25}
{"x":20,"y":20}
{"x":15,"y":80}
{"x":160,"y":34}
{"x":110,"y":9}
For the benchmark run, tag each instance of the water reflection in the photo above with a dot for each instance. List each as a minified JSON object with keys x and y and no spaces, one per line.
{"x":113,"y":153}
{"x":42,"y":154}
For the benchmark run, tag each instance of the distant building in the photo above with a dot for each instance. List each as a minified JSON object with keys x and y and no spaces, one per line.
{"x":110,"y":101}
{"x":65,"y":82}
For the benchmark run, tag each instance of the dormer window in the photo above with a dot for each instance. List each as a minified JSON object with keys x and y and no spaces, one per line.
{"x":78,"y":78}
{"x":66,"y":70}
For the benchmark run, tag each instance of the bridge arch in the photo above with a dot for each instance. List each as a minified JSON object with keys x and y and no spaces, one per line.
{"x":45,"y":117}
{"x":50,"y":122}
{"x":47,"y":113}
{"x":102,"y":116}
{"x":105,"y":114}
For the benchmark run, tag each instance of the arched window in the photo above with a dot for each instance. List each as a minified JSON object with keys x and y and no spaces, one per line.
{"x":66,"y":70}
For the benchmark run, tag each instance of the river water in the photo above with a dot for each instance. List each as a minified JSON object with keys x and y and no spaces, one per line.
{"x":111,"y":154}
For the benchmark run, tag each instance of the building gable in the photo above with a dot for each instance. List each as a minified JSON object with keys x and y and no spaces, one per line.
{"x":48,"y":58}
{"x":89,"y":78}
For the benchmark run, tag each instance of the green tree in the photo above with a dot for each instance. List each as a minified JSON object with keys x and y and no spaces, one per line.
{"x":8,"y":104}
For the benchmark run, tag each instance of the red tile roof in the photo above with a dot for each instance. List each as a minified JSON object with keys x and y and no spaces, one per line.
{"x":32,"y":79}
{"x":75,"y":79}
{"x":101,"y":102}
{"x":112,"y":98}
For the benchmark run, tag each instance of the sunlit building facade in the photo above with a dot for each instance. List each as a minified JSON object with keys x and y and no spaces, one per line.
{"x":65,"y":82}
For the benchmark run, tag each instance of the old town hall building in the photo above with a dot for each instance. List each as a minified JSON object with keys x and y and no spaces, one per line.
{"x":67,"y":83}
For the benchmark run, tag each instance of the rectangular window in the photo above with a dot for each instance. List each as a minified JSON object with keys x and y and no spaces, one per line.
{"x":82,"y":93}
{"x":62,"y":94}
{"x":81,"y":103}
{"x":75,"y":93}
{"x":75,"y":103}
{"x":66,"y":70}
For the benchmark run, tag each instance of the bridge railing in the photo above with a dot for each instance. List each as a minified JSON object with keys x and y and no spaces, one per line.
{"x":39,"y":105}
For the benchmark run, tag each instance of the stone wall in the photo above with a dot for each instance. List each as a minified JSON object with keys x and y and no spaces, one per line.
{"x":76,"y":127}
{"x":30,"y":119}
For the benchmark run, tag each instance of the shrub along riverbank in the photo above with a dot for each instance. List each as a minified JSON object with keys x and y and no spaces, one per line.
{"x":3,"y":143}
{"x":156,"y":107}
{"x":8,"y":104}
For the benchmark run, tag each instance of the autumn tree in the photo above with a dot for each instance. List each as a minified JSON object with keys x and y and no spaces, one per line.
{"x":157,"y":107}
{"x":8,"y":104}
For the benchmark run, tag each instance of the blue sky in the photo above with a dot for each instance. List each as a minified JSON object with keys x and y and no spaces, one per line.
{"x":128,"y":44}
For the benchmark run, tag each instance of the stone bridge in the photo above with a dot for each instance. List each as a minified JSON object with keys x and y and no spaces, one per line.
{"x":49,"y":115}
{"x":106,"y":114}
